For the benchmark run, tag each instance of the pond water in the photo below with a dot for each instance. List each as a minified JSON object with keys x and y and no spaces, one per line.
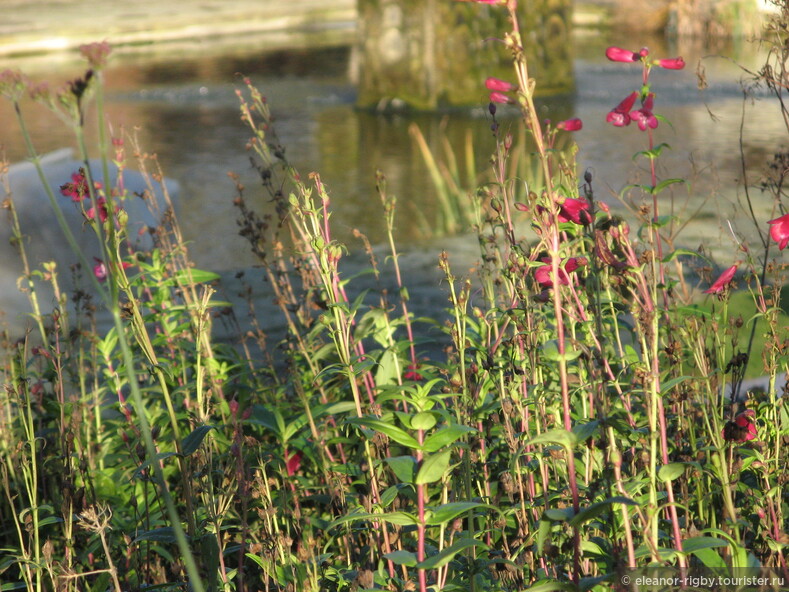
{"x":187,"y":113}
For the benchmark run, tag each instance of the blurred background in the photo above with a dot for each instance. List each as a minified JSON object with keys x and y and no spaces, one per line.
{"x":353,"y":84}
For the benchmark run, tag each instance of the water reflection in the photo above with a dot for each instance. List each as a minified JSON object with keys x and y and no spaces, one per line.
{"x":186,"y":112}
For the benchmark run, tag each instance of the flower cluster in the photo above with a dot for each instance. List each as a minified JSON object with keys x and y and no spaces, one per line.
{"x":623,"y":114}
{"x":543,"y":276}
{"x":498,"y":88}
{"x":77,"y":190}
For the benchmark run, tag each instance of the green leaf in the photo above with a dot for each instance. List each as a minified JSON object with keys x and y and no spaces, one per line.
{"x":681,"y":251}
{"x":49,"y":520}
{"x":446,"y":512}
{"x":161,"y":535}
{"x":404,"y":467}
{"x":433,"y":467}
{"x":583,"y":431}
{"x":423,"y":420}
{"x":192,"y":442}
{"x":399,"y":518}
{"x":397,"y":434}
{"x":550,"y":350}
{"x":561,"y":437}
{"x":670,"y":384}
{"x":558,"y":514}
{"x":665,"y":183}
{"x":671,"y":471}
{"x":445,"y":436}
{"x":702,"y":542}
{"x":593,"y":511}
{"x":445,"y":556}
{"x":197,"y":276}
{"x":402,"y":558}
{"x":14,"y":586}
{"x":257,"y":559}
{"x":710,"y":558}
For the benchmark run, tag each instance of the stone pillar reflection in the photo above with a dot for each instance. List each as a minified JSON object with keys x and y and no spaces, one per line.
{"x":435,"y":54}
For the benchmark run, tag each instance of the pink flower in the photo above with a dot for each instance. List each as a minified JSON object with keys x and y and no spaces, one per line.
{"x":722,"y":282}
{"x":96,"y":53}
{"x":671,"y":63}
{"x":575,"y":210}
{"x":542,"y":274}
{"x":742,"y":429}
{"x":77,"y":189}
{"x":102,"y":204}
{"x":570,"y":125}
{"x":497,"y":97}
{"x":620,"y":115}
{"x":499,"y":85}
{"x":292,"y":462}
{"x":779,"y":230}
{"x":644,"y":116}
{"x":617,"y":54}
{"x":100,"y":270}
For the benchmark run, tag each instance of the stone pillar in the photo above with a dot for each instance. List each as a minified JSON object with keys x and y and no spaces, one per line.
{"x":435,"y":54}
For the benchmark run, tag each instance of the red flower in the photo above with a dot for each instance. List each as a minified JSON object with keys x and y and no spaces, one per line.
{"x":620,"y":115}
{"x":617,"y":54}
{"x":543,"y":273}
{"x":575,"y":210}
{"x":77,"y":189}
{"x":644,"y":116}
{"x":722,"y":282}
{"x":742,"y":429}
{"x":497,"y":97}
{"x":499,"y":85}
{"x":412,"y":373}
{"x":292,"y":462}
{"x":102,"y":204}
{"x":779,"y":230}
{"x":570,"y":125}
{"x":671,"y":63}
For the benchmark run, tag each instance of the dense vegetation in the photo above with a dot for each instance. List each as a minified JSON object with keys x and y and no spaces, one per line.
{"x":578,"y":413}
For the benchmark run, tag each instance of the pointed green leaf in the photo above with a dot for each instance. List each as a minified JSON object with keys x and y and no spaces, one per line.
{"x":433,"y":467}
{"x":663,"y":184}
{"x":445,"y":437}
{"x":445,"y":556}
{"x":404,"y":467}
{"x":560,"y":437}
{"x":397,"y":434}
{"x":192,"y":442}
{"x":586,"y":514}
{"x":161,"y":535}
{"x":445,"y":513}
{"x":402,"y":558}
{"x":584,"y":431}
{"x":702,"y":542}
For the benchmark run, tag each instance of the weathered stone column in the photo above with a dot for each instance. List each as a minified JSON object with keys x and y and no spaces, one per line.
{"x":435,"y":54}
